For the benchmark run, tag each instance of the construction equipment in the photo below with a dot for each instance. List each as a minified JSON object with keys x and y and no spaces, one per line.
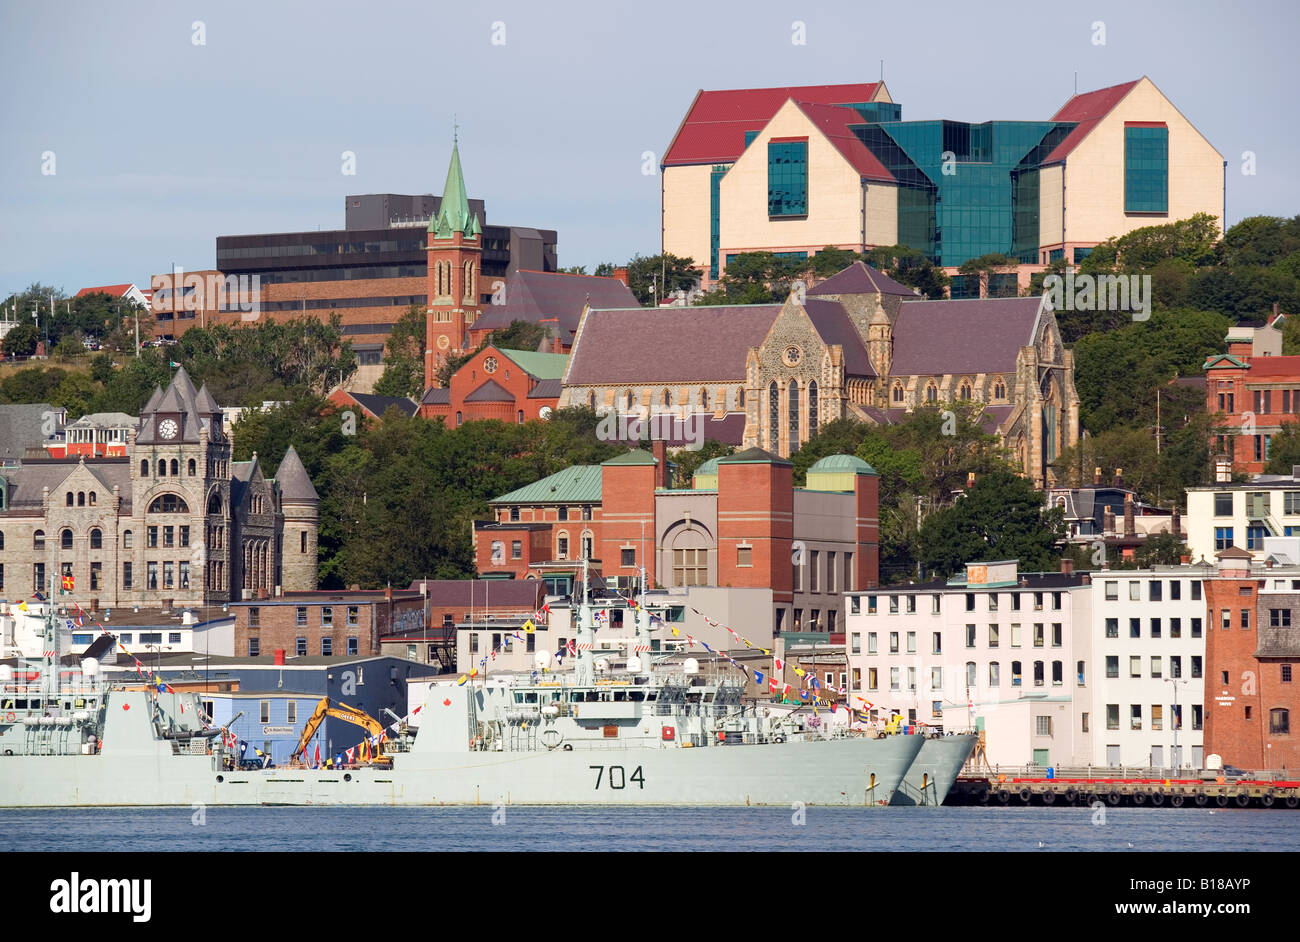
{"x":341,"y":711}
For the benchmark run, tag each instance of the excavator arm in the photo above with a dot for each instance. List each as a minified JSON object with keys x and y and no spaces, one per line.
{"x":313,"y":724}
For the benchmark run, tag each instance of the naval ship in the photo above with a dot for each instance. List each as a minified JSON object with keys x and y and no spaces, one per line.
{"x":662,"y":735}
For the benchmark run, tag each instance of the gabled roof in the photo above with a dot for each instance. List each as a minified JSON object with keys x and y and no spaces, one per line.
{"x":637,"y":456}
{"x":536,"y":296}
{"x":713,"y":130}
{"x":1280,"y":367}
{"x":115,"y":291}
{"x":932,"y":338}
{"x":708,"y":344}
{"x":21,"y":426}
{"x":378,"y":405}
{"x":1223,"y":360}
{"x":579,"y":483}
{"x":1087,"y":110}
{"x":490,"y":391}
{"x":834,"y":123}
{"x":861,"y":278}
{"x":547,"y":389}
{"x":835,"y":327}
{"x":753,"y":456}
{"x":538,"y":365}
{"x":436,"y":396}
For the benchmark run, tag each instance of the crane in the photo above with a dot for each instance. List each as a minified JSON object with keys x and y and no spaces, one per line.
{"x":341,"y":711}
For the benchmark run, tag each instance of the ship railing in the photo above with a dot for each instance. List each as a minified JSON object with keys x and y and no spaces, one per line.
{"x":1138,"y":773}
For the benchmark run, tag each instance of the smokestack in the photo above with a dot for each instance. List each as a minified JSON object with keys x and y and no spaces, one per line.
{"x":660,"y":451}
{"x":1130,"y":527}
{"x":1096,"y":476}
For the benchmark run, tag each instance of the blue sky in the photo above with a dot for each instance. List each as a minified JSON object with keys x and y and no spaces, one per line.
{"x":161,"y":145}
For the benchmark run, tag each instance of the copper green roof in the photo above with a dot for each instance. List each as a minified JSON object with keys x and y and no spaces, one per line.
{"x":637,"y":456}
{"x":1221,"y":359}
{"x":709,"y":467}
{"x":843,"y":463}
{"x":453,"y":214}
{"x":577,"y":484}
{"x":753,"y":456}
{"x":539,"y":365}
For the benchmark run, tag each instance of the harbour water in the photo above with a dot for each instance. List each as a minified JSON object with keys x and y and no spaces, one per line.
{"x":520,"y":828}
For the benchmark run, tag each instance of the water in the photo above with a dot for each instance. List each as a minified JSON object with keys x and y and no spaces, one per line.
{"x":520,"y":828}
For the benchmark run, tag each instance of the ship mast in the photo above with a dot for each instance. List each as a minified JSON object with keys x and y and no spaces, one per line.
{"x":50,"y":652}
{"x":583,"y":675}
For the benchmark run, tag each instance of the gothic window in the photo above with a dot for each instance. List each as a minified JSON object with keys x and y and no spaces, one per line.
{"x":214,"y":503}
{"x":999,"y":390}
{"x":627,"y":399}
{"x":774,"y":417}
{"x":740,"y":398}
{"x":91,"y":499}
{"x":668,"y":398}
{"x":812,"y":409}
{"x":144,"y":467}
{"x":704,"y":398}
{"x":794,"y":414}
{"x":931,"y":393}
{"x":898,"y":393}
{"x":591,"y":400}
{"x":162,"y":468}
{"x":965,"y":390}
{"x":96,"y":539}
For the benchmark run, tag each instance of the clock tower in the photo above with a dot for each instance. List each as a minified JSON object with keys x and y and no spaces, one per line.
{"x":455,"y":249}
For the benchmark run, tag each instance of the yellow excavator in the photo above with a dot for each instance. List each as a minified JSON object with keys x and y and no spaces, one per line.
{"x":341,"y":711}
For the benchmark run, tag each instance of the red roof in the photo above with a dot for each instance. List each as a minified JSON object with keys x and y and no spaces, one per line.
{"x":115,"y":291}
{"x":834,"y":123}
{"x":714,"y":128}
{"x":1279,"y":367}
{"x":1087,"y":109}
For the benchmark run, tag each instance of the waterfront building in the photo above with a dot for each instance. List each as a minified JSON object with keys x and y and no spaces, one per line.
{"x":1254,"y":391}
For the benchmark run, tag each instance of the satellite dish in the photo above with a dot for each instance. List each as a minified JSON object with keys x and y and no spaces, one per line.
{"x":691,"y":666}
{"x":633,"y":664}
{"x":602,"y":665}
{"x":542,"y":660}
{"x":90,"y":666}
{"x":544,"y":412}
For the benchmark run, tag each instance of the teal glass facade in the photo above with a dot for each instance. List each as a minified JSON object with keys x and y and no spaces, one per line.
{"x":1146,"y":169}
{"x":715,"y":214}
{"x":787,"y":178}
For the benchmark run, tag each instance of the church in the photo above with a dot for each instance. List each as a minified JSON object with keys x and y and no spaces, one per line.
{"x":175,"y":523}
{"x":858,"y":345}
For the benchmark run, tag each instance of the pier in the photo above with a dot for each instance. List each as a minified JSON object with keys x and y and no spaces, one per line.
{"x":1142,"y":788}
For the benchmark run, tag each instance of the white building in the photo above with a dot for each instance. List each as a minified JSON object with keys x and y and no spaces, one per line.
{"x":991,"y":649}
{"x":1242,"y":515}
{"x":143,"y":633}
{"x":1148,"y":651}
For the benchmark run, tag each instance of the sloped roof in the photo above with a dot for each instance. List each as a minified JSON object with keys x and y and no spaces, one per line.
{"x":753,"y":456}
{"x":295,"y":483}
{"x":1087,"y":109}
{"x":490,"y":391}
{"x":536,"y":296}
{"x":932,"y":338}
{"x":843,"y":463}
{"x":861,"y":278}
{"x":579,"y":483}
{"x":29,"y":481}
{"x":729,"y":429}
{"x":478,"y":593}
{"x":547,"y":389}
{"x":835,"y":327}
{"x":1279,"y":367}
{"x":115,"y":291}
{"x":834,"y":123}
{"x":378,"y":405}
{"x":436,"y":396}
{"x":713,"y":130}
{"x":637,"y":456}
{"x":667,"y":344}
{"x":21,"y":427}
{"x":539,"y":365}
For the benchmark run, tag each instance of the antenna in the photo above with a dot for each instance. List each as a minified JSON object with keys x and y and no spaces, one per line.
{"x":1076,"y":81}
{"x":882,"y":70}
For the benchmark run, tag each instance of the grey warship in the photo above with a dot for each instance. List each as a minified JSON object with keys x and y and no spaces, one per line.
{"x":659,"y":736}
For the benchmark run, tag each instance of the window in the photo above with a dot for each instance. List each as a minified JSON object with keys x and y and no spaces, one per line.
{"x":1157,"y":716}
{"x":1196,"y":665}
{"x":327,"y":616}
{"x":1112,"y":627}
{"x":126,"y":575}
{"x":994,"y":678}
{"x":1146,"y":167}
{"x":970,"y":601}
{"x":327,"y":647}
{"x":1079,"y":673}
{"x":96,"y":539}
{"x":1112,"y":591}
{"x":1135,"y":627}
{"x":168,"y":574}
{"x":127,"y":540}
{"x":628,"y":557}
{"x":936,"y":646}
{"x":911,"y":642}
{"x":1038,"y":673}
{"x":1286,"y":673}
{"x":893,"y":642}
{"x":169,"y":537}
{"x":1015,"y":635}
{"x":1196,"y":590}
{"x":1155,"y":627}
{"x":1155,"y":591}
{"x":1279,"y":721}
{"x":1015,"y":601}
{"x":1175,"y":590}
{"x":96,"y":569}
{"x":1038,"y":601}
{"x":993,"y":634}
{"x":690,"y":567}
{"x":787,"y":177}
{"x":993,"y":601}
{"x":1135,"y":666}
{"x":300,"y":619}
{"x":301,"y":647}
{"x":970,"y":636}
{"x":855,"y":643}
{"x":1198,"y":716}
{"x":1175,"y":666}
{"x":264,"y":711}
{"x":1038,"y":635}
{"x":744,"y":556}
{"x":151,"y":575}
{"x":872,"y":679}
{"x":1279,"y":618}
{"x":1156,"y":667}
{"x":185,"y":536}
{"x":893,"y":678}
{"x":1112,"y":716}
{"x":871,"y":605}
{"x":1135,"y":591}
{"x":1043,"y":725}
{"x":1112,"y":665}
{"x":1245,"y":619}
{"x":893,"y":604}
{"x":1175,"y":627}
{"x":1135,"y":716}
{"x":1196,"y":624}
{"x":65,"y":539}
{"x":1222,"y":538}
{"x":353,"y":611}
{"x":562,"y":547}
{"x":253,"y":647}
{"x":1015,"y":673}
{"x":871,"y":642}
{"x":254,"y":618}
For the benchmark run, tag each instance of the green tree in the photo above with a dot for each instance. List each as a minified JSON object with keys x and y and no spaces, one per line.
{"x":667,"y":273}
{"x":1163,"y":549}
{"x":403,"y":374}
{"x":688,"y":462}
{"x":21,"y":341}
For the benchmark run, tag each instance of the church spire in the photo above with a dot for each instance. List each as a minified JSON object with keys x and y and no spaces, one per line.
{"x":454,"y":214}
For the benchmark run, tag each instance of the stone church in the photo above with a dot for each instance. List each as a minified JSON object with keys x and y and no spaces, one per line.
{"x":858,"y":345}
{"x":176,"y":522}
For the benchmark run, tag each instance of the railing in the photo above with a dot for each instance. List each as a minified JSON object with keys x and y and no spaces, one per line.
{"x":1031,"y":770}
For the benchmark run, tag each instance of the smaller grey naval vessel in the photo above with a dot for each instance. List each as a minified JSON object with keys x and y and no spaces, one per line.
{"x":656,"y":735}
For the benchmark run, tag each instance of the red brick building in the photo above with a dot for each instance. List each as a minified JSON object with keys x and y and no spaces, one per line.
{"x":326,"y":623}
{"x":1255,"y":390}
{"x":1252,"y":653}
{"x":741,"y":524}
{"x":510,"y":385}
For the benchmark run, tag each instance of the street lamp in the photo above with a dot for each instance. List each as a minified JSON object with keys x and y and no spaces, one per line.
{"x":1177,"y":719}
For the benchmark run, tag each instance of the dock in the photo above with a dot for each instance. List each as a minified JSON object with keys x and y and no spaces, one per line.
{"x":1149,"y":788}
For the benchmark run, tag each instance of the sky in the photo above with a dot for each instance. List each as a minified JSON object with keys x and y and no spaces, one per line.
{"x":158,"y":143}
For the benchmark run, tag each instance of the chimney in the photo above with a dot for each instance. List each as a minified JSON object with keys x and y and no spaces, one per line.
{"x":1130,"y":528}
{"x":1096,"y":476}
{"x":1176,"y":522}
{"x":263,"y":594}
{"x":1268,"y":563}
{"x":1119,"y":477}
{"x":388,"y":593}
{"x":970,"y":478}
{"x":1108,"y":520}
{"x":660,"y":450}
{"x":621,"y":275}
{"x":1067,"y":566}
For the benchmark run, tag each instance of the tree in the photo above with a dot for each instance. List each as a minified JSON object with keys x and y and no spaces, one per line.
{"x":910,"y":267}
{"x":1163,"y":549}
{"x":755,"y":278}
{"x":668,"y":273}
{"x":986,"y":265}
{"x":21,"y":341}
{"x":574,"y":270}
{"x":688,"y":462}
{"x":404,"y":357}
{"x":1000,"y":517}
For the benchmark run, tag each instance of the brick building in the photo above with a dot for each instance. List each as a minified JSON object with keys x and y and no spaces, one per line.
{"x":311,"y":624}
{"x":510,"y":385}
{"x":1254,"y":390}
{"x":1252,"y":651}
{"x":741,"y":524}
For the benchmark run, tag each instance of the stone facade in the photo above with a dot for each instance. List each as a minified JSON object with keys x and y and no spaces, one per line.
{"x":176,"y":523}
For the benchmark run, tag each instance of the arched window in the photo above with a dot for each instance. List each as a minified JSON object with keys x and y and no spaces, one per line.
{"x":69,"y":500}
{"x":704,"y":398}
{"x":193,"y":467}
{"x":81,"y":498}
{"x":96,"y":539}
{"x":459,"y":418}
{"x":812,"y":409}
{"x":774,"y":415}
{"x":162,"y":468}
{"x":898,"y":393}
{"x":144,"y":467}
{"x":521,"y":416}
{"x":91,"y":498}
{"x":970,"y":673}
{"x":999,"y":390}
{"x":995,"y":670}
{"x":176,"y":468}
{"x":1279,"y":720}
{"x":591,"y":400}
{"x":126,"y":539}
{"x":168,"y":504}
{"x":740,"y":398}
{"x":65,"y":539}
{"x":793,"y":406}
{"x":214,"y":503}
{"x":668,"y":397}
{"x":38,"y":540}
{"x":627,"y":399}
{"x":931,"y":393}
{"x":965,"y":391}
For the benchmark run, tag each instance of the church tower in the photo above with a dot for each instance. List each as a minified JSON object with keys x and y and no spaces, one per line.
{"x":880,"y":341}
{"x":455,"y":247}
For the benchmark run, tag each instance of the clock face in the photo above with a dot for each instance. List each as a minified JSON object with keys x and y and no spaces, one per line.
{"x":444,"y":342}
{"x":168,"y":428}
{"x":490,"y":364}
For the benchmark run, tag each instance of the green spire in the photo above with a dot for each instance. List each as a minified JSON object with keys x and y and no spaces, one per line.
{"x":453,"y":214}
